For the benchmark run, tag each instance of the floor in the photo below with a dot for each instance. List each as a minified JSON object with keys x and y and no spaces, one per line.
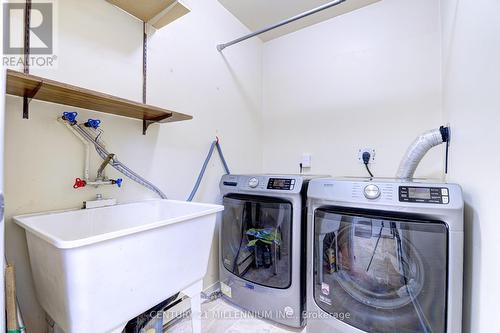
{"x":219,"y":316}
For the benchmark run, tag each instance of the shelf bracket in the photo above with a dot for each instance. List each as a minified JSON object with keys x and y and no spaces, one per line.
{"x":26,"y":108}
{"x":145,"y":125}
{"x":27,"y":100}
{"x":147,"y":122}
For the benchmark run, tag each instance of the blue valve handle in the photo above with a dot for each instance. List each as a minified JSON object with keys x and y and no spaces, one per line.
{"x":94,"y":123}
{"x":70,"y":116}
{"x":118,"y":182}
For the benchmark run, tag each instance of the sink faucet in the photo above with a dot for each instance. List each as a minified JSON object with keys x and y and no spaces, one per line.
{"x":99,"y":202}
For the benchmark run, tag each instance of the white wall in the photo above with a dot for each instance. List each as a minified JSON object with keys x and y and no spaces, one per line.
{"x":100,"y":48}
{"x":471,"y":53}
{"x":370,"y":78}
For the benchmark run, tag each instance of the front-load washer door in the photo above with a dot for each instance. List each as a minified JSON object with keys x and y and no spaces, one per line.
{"x":381,"y":272}
{"x":256,"y":235}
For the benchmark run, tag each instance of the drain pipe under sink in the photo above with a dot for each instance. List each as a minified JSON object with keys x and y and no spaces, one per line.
{"x":419,"y":148}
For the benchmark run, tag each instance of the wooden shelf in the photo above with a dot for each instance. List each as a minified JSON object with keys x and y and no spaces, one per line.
{"x":158,"y":13}
{"x":30,"y":86}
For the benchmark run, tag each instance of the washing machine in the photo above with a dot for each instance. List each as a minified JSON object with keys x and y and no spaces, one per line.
{"x":384,"y":256}
{"x":262,"y":245}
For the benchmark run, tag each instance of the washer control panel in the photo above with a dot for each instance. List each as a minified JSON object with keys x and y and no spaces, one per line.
{"x":434,"y":195}
{"x":286,"y":184}
{"x":263,"y":183}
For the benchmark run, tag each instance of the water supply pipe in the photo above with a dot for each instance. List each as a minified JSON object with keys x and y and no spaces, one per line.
{"x":119,"y":166}
{"x":100,"y":171}
{"x":81,"y":132}
{"x":86,"y":144}
{"x":419,"y":148}
{"x":87,"y":134}
{"x":101,"y":178}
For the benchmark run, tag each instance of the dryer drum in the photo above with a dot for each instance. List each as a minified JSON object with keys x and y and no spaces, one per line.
{"x":388,"y":272}
{"x":383,"y":271}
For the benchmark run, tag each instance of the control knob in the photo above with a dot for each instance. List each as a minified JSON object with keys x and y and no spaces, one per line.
{"x":372,"y":191}
{"x":253,"y":182}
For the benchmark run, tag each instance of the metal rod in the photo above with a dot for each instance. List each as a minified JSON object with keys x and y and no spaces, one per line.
{"x":221,"y":47}
{"x":145,"y":123}
{"x":144,"y":62}
{"x":26,"y":69}
{"x":27,"y":20}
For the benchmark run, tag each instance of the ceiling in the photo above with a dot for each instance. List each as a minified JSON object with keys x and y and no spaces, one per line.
{"x":257,"y":14}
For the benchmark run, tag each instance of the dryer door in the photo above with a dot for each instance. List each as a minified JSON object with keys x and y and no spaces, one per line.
{"x":386,"y":271}
{"x":256,"y":239}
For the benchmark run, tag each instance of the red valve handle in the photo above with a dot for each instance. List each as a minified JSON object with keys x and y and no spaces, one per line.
{"x":79,"y":183}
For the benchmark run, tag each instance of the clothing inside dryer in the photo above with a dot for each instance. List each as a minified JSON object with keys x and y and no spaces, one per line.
{"x":388,"y":273}
{"x":256,"y":239}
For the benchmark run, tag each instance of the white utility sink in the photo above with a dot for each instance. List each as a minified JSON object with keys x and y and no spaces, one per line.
{"x":95,"y":269}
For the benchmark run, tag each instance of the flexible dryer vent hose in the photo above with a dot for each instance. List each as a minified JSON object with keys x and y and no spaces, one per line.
{"x":419,"y":148}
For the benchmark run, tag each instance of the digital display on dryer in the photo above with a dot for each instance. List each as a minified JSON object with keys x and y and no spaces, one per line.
{"x":279,"y":183}
{"x":419,"y":193}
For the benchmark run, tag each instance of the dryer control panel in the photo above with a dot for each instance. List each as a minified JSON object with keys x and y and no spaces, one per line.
{"x":434,"y":195}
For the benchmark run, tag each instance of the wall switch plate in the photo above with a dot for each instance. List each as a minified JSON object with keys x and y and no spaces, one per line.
{"x":306,"y":160}
{"x":369,"y":150}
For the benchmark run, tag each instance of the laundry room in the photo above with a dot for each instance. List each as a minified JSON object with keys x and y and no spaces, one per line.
{"x":249,"y":166}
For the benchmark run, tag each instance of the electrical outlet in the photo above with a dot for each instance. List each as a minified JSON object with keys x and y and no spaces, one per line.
{"x":306,"y":160}
{"x":369,"y":150}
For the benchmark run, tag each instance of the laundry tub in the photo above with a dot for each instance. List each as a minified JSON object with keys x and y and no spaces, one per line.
{"x":95,"y":269}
